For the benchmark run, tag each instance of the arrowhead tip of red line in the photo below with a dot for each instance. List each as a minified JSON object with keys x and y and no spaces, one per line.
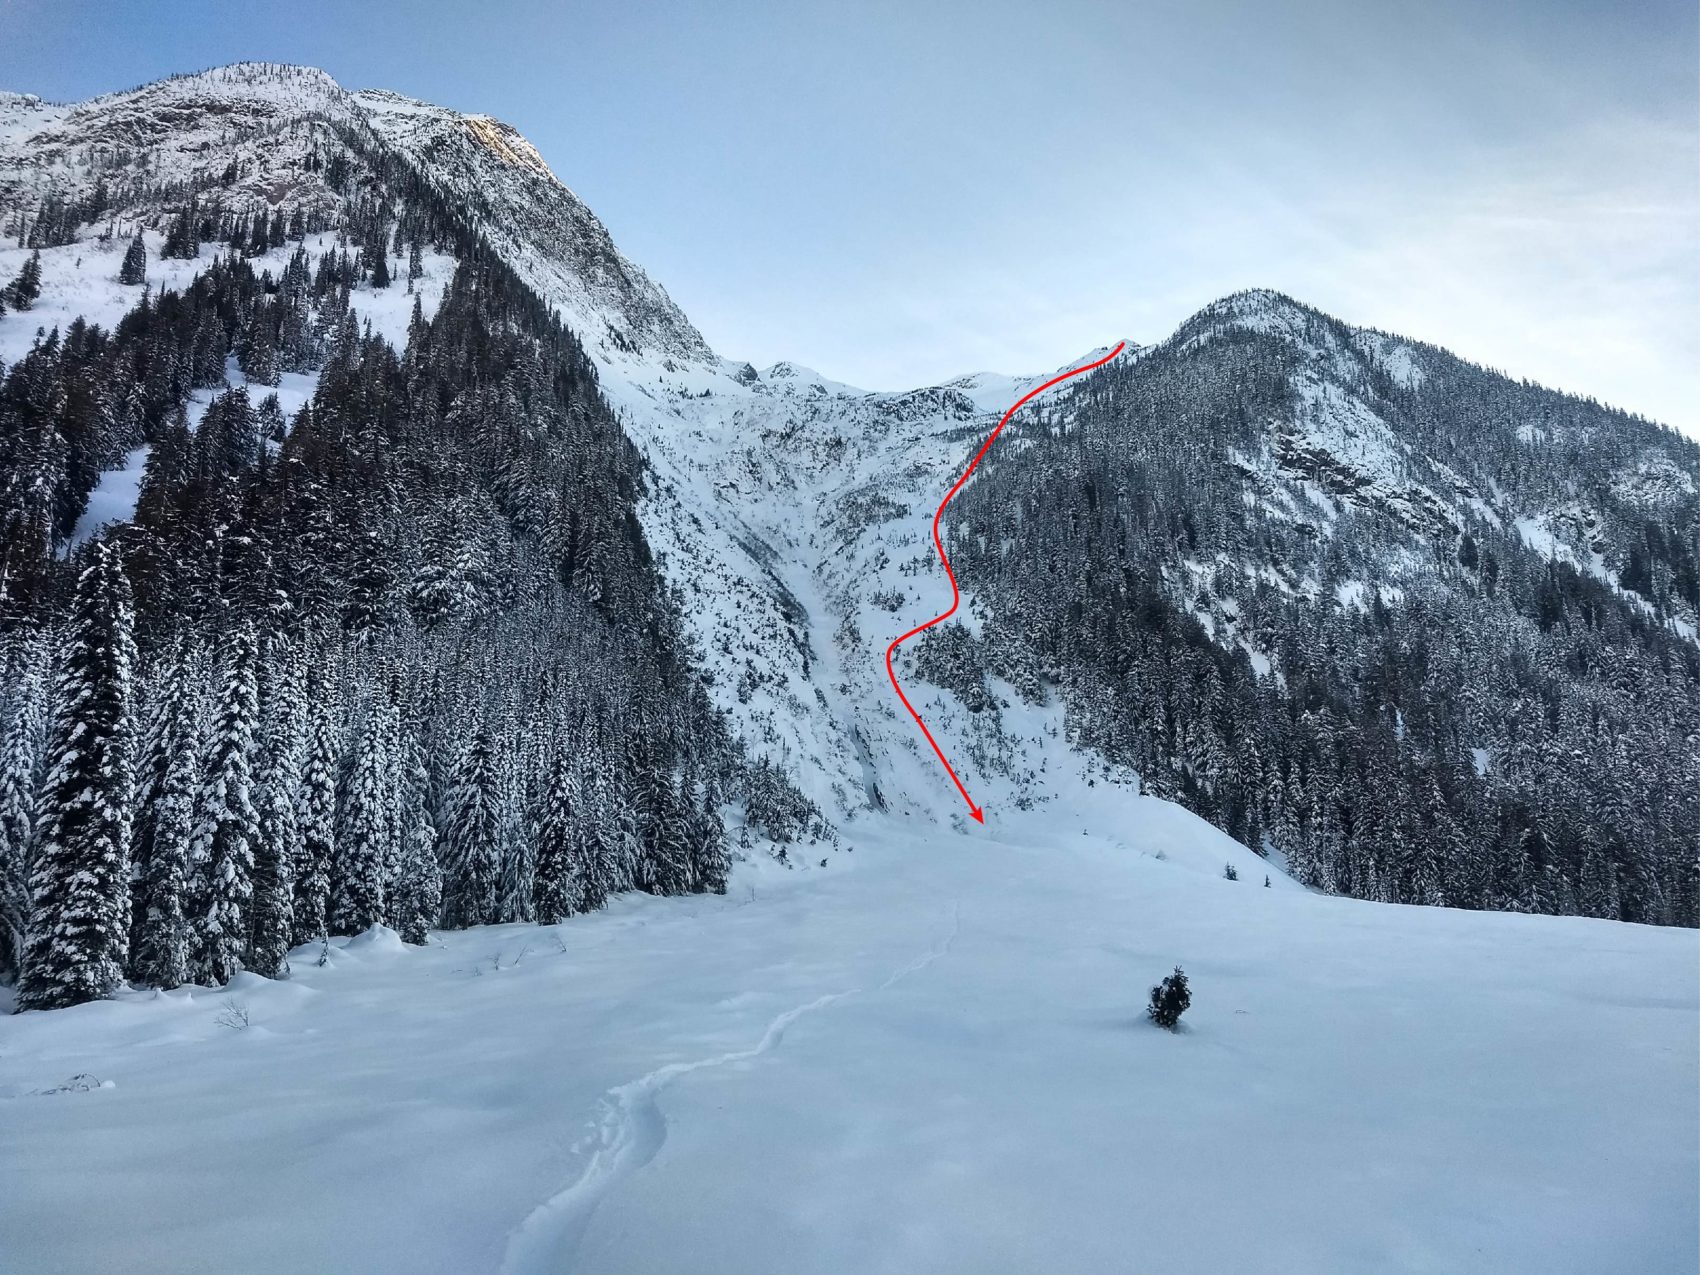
{"x":979,"y":815}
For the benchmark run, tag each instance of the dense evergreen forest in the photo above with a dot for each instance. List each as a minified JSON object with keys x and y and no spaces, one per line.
{"x":402,"y":658}
{"x":1501,"y":730}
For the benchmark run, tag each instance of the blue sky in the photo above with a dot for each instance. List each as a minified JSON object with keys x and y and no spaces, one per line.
{"x":895,"y":193}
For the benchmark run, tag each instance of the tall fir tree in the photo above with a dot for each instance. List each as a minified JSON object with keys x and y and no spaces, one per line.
{"x":167,"y":780}
{"x":26,"y":288}
{"x":222,"y":852}
{"x":20,"y":761}
{"x":316,"y":843}
{"x":398,"y":750}
{"x":558,"y":892}
{"x":420,"y":881}
{"x":514,"y":891}
{"x":256,"y":352}
{"x":621,"y":827}
{"x":162,"y":933}
{"x":598,"y":842}
{"x":474,"y":833}
{"x":711,"y":861}
{"x":275,"y":855}
{"x":182,"y":239}
{"x":135,"y":268}
{"x":363,"y":837}
{"x":79,"y":881}
{"x":664,"y":866}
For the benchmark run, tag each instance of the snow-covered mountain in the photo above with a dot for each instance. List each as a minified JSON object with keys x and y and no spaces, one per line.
{"x":763,"y":483}
{"x":791,"y":512}
{"x":246,"y":131}
{"x":434,"y":612}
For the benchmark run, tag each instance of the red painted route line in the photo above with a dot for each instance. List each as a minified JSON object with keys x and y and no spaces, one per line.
{"x":955,"y":593}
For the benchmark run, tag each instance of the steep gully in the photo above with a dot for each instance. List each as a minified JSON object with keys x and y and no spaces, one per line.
{"x":956,"y":594}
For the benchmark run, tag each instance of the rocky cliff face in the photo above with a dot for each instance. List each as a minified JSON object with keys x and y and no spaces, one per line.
{"x":539,"y":227}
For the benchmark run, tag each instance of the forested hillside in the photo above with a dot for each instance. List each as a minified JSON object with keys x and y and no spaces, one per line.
{"x":399,"y":656}
{"x":1288,"y":583}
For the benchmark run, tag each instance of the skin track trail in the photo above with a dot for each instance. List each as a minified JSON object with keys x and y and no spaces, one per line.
{"x":633,"y":1129}
{"x":956,"y":594}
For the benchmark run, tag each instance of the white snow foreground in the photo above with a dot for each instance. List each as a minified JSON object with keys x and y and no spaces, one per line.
{"x":930,"y":1056}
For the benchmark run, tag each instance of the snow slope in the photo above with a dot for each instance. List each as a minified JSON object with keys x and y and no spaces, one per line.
{"x":929,"y":1057}
{"x":794,"y":513}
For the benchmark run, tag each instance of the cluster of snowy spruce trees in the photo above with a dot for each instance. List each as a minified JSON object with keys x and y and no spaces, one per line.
{"x":181,"y":828}
{"x":402,"y":658}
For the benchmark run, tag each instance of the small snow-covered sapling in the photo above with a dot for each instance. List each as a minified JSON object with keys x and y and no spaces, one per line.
{"x":1169,"y":1000}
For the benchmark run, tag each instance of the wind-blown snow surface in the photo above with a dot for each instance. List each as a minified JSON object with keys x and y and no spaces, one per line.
{"x":929,"y":1057}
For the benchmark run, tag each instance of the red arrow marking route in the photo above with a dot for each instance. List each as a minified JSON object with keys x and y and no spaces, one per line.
{"x":955,"y":593}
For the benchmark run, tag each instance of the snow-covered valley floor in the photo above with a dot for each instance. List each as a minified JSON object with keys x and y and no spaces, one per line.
{"x":929,"y":1056}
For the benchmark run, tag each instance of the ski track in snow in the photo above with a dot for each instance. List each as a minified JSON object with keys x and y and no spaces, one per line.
{"x":633,"y":1129}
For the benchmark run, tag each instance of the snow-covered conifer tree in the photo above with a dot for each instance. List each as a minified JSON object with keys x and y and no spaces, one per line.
{"x":78,"y":928}
{"x":279,"y":847}
{"x":473,"y":863}
{"x":169,"y":774}
{"x":664,"y":867}
{"x":20,"y":759}
{"x":135,"y":267}
{"x":398,"y":756}
{"x":617,"y":828}
{"x":517,"y":845}
{"x":558,"y":891}
{"x":221,"y":860}
{"x":27,"y":286}
{"x":711,"y":862}
{"x":420,"y":882}
{"x":316,"y":843}
{"x":161,"y":954}
{"x":362,"y":844}
{"x":256,"y":354}
{"x":595,"y":846}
